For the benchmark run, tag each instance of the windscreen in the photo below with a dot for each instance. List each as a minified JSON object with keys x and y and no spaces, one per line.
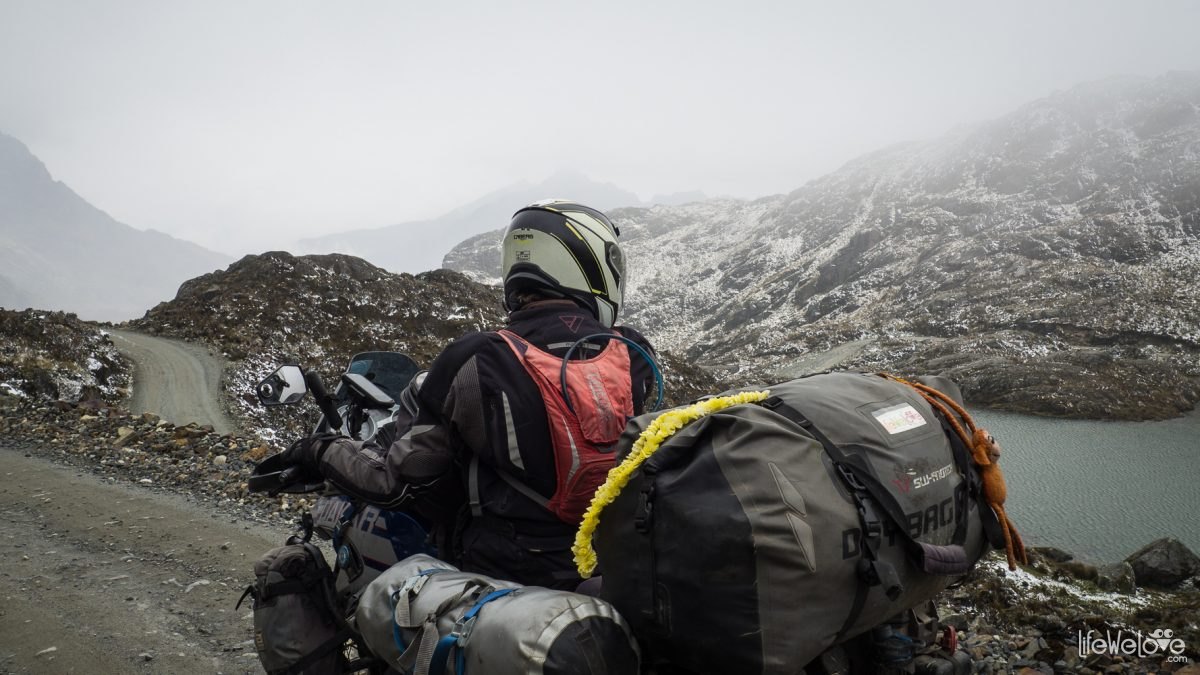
{"x":390,"y":371}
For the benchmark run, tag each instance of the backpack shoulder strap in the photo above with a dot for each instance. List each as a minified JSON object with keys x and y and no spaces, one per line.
{"x":513,"y":482}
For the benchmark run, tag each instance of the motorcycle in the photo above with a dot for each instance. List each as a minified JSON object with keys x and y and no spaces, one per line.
{"x":367,"y":405}
{"x":373,"y":403}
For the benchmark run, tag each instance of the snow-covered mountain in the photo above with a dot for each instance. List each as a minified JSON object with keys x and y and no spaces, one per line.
{"x":59,"y":252}
{"x":1049,"y":260}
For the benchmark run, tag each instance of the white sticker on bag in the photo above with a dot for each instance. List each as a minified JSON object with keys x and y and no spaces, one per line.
{"x":899,"y":418}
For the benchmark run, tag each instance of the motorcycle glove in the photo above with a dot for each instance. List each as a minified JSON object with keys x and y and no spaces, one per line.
{"x":307,"y":452}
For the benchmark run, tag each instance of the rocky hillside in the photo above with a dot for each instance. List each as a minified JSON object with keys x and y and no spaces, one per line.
{"x":319,"y":310}
{"x":50,"y":356}
{"x":59,"y":252}
{"x":1049,"y":260}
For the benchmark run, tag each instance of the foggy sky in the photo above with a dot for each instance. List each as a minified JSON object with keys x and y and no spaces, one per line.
{"x":245,"y":125}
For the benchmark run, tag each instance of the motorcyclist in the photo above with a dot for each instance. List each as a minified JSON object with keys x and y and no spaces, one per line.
{"x":479,"y":461}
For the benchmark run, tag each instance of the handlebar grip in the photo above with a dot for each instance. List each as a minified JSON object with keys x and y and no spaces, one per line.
{"x":323,"y":400}
{"x":316,"y":384}
{"x":290,"y":482}
{"x":288,"y":475}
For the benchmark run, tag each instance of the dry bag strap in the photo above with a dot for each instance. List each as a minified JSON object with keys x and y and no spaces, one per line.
{"x":417,"y":657}
{"x":948,"y":560}
{"x":402,"y":614}
{"x":458,"y":638}
{"x":871,"y":570}
{"x":868,"y":494}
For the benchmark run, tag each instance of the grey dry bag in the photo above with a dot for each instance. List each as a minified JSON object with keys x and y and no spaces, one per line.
{"x":424,"y":616}
{"x":756,"y":537}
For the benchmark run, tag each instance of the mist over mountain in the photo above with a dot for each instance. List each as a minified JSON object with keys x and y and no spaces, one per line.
{"x":1049,"y":260}
{"x":418,"y":246}
{"x":675,"y":198}
{"x":59,"y":252}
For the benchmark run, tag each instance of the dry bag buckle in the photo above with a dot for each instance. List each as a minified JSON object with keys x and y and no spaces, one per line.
{"x":879,"y":573}
{"x":462,"y":630}
{"x":645,"y":512}
{"x":851,"y":480}
{"x":872,"y":525}
{"x":413,"y":584}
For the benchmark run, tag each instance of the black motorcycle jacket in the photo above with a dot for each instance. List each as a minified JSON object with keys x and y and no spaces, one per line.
{"x":479,"y":402}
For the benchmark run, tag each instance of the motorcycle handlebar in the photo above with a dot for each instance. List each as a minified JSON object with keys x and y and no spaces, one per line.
{"x":324,"y":401}
{"x":290,"y":482}
{"x":288,"y":475}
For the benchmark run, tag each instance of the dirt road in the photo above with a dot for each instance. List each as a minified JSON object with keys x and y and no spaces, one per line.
{"x":177,"y":381}
{"x":105,"y":578}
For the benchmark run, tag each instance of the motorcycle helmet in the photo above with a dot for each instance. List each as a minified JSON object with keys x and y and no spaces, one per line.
{"x":560,"y":249}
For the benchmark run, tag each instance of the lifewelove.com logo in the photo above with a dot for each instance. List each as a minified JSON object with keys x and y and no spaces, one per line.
{"x":1158,"y":644}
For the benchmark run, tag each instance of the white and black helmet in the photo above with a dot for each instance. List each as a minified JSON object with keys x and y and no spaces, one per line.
{"x":563,"y":249}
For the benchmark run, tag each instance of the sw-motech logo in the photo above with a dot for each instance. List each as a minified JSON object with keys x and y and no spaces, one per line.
{"x":913,"y":481}
{"x":1158,"y":644}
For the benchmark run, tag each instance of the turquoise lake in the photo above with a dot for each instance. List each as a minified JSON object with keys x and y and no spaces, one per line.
{"x":1100,"y":490}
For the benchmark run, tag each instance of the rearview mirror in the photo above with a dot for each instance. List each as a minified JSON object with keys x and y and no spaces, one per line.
{"x":283,"y":387}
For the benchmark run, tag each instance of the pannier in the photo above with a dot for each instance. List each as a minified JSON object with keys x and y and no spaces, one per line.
{"x":296,"y":628}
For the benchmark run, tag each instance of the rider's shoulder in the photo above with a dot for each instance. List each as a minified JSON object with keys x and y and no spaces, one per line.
{"x":458,"y":352}
{"x":634,"y":334}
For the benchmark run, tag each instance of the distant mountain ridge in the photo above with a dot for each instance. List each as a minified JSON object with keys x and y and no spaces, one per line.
{"x":1049,"y":260}
{"x":59,"y":252}
{"x":419,"y":246}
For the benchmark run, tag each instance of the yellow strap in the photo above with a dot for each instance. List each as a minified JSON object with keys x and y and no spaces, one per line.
{"x":662,"y":428}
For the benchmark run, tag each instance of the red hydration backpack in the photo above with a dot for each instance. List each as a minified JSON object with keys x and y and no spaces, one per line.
{"x":584,"y":428}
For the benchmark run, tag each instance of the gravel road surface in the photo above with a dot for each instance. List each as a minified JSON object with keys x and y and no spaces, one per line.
{"x":100,"y":577}
{"x":177,"y":381}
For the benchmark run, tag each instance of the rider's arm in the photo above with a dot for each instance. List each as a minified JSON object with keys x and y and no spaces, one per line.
{"x":426,"y":451}
{"x":386,"y":478}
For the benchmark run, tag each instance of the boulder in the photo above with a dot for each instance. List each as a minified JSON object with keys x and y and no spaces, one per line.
{"x":1079,"y":570}
{"x":1117,"y":577}
{"x":1054,"y":555}
{"x":1050,"y":624}
{"x":192,"y":430}
{"x":125,"y":435}
{"x":90,"y":395}
{"x":1163,"y":563}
